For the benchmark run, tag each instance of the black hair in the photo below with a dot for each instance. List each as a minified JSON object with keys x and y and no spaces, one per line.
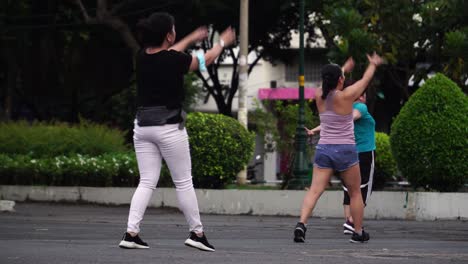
{"x":330,"y":75}
{"x":154,"y":29}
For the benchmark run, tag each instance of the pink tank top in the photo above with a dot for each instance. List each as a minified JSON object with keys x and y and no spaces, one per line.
{"x":335,"y":128}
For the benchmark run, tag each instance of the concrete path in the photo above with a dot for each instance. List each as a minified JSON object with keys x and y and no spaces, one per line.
{"x":59,"y":233}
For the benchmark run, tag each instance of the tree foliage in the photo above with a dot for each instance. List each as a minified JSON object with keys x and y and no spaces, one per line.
{"x":411,"y":35}
{"x":60,"y":59}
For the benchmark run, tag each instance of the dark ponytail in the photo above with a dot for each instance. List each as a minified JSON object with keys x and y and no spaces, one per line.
{"x":330,"y":75}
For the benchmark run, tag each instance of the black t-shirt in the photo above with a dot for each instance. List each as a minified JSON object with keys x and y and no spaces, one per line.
{"x":160,"y":78}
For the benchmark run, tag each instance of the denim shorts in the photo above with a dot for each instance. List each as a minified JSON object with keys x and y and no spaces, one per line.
{"x":339,"y":157}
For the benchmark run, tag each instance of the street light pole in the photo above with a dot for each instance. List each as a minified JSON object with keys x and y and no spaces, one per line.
{"x":243,"y":74}
{"x":300,"y":178}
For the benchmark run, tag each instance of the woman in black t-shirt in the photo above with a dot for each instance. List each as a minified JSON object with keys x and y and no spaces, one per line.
{"x":159,"y":131}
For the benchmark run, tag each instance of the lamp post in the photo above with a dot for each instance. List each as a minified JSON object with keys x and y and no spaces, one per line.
{"x":242,"y":114}
{"x":301,"y":165}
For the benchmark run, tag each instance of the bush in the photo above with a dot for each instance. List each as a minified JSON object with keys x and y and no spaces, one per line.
{"x":429,"y":137}
{"x":220,"y":147}
{"x":94,"y":155}
{"x":76,"y":170}
{"x":42,"y":140}
{"x":385,"y":164}
{"x":277,"y":123}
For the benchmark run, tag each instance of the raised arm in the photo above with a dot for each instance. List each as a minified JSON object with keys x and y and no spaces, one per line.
{"x":348,"y":66}
{"x":227,"y":38}
{"x":354,"y":91}
{"x":197,"y":35}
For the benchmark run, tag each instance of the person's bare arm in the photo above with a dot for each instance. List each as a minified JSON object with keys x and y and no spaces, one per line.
{"x":313,"y":131}
{"x":348,"y":66}
{"x":198,"y":34}
{"x":228,"y":37}
{"x":353,"y":92}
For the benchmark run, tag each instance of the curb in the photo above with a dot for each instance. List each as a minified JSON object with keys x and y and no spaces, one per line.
{"x":382,"y":204}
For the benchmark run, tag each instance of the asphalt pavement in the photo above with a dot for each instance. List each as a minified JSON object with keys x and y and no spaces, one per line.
{"x":40,"y":233}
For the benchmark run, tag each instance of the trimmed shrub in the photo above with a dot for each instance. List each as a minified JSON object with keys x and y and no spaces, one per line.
{"x":220,"y":147}
{"x":76,"y":170}
{"x":93,"y":155}
{"x":385,"y":164}
{"x":41,"y":140}
{"x":429,"y":137}
{"x":111,"y":169}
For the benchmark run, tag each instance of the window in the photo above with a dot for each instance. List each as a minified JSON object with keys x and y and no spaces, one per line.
{"x":312,"y":67}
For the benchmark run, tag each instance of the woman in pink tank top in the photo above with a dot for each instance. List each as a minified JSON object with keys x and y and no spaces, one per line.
{"x":336,"y":150}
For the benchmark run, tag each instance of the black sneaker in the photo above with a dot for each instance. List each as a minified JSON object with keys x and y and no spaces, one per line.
{"x":199,"y":242}
{"x":348,"y":228}
{"x":130,"y":242}
{"x":299,"y":233}
{"x":356,"y":238}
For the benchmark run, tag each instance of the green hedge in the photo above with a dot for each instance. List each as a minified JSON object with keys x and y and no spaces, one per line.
{"x":220,"y":148}
{"x":112,"y":169}
{"x":429,"y":137}
{"x":50,"y":140}
{"x":385,"y":164}
{"x":94,"y":155}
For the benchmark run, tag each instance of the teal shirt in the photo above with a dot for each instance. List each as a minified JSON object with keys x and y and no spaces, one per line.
{"x":364,"y":129}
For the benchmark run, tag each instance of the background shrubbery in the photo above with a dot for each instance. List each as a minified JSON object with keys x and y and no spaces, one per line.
{"x":429,"y":137}
{"x":112,"y":169}
{"x":56,"y":139}
{"x":385,"y":164}
{"x":220,"y":148}
{"x":95,"y":155}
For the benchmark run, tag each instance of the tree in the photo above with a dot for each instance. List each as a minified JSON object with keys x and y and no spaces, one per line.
{"x":276,"y":122}
{"x":63,"y":58}
{"x":28,"y":54}
{"x":107,"y":13}
{"x":270,"y":28}
{"x":414,"y":42}
{"x":444,"y":27}
{"x":86,"y":48}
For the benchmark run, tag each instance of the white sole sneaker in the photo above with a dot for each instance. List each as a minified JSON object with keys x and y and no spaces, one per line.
{"x":131,"y":245}
{"x":358,"y":242}
{"x":347,"y":232}
{"x":189,"y":242}
{"x":349,"y":227}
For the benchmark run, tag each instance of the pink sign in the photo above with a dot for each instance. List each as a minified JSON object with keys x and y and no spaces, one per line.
{"x":284,"y":93}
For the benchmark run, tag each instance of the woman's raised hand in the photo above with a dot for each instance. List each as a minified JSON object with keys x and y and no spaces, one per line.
{"x":374,"y":59}
{"x":199,"y":34}
{"x":228,"y":36}
{"x":348,"y":66}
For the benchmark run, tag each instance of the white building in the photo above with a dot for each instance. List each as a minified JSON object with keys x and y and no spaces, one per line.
{"x":266,"y":77}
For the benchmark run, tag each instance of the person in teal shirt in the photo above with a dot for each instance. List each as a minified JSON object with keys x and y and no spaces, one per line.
{"x":364,"y":133}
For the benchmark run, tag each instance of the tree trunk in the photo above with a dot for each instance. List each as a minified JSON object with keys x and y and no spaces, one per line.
{"x":11,"y":77}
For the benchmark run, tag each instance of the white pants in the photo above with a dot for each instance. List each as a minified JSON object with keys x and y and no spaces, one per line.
{"x":152,"y":144}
